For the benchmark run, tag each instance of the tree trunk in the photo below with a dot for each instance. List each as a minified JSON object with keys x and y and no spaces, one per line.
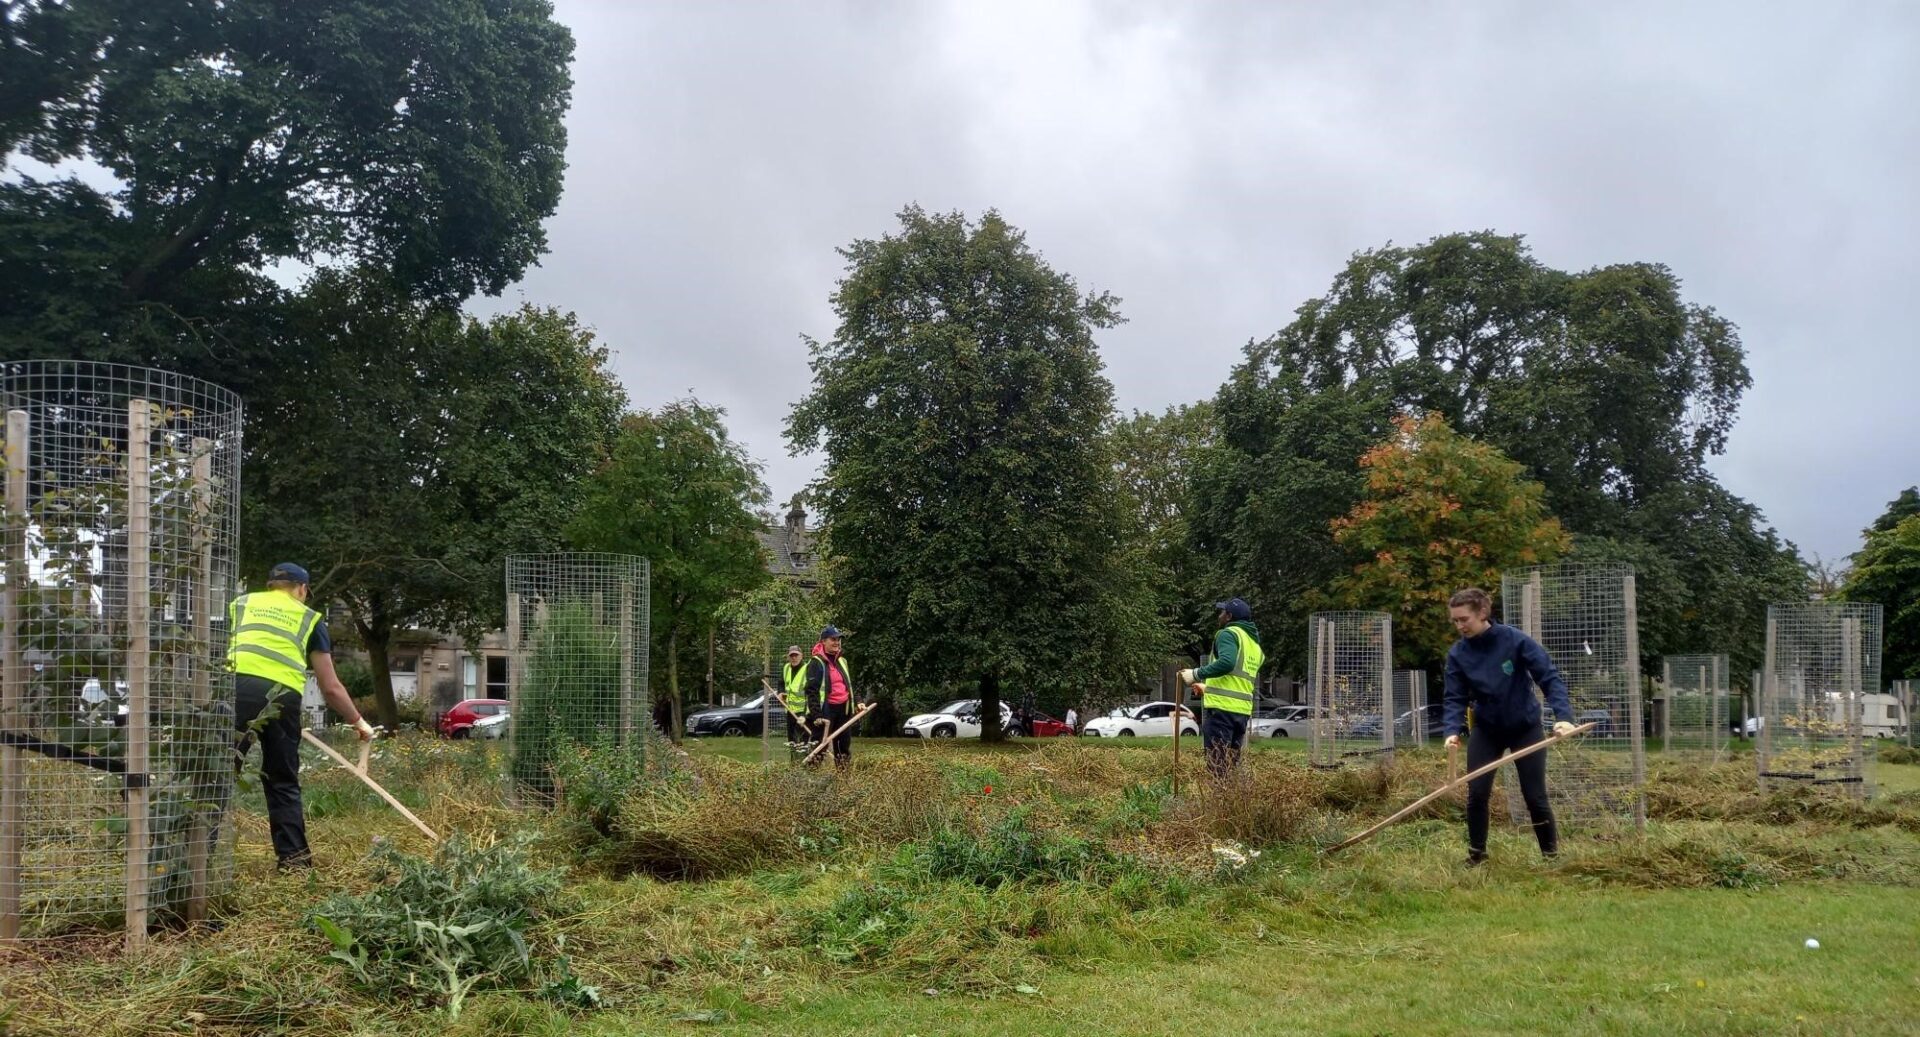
{"x":990,"y":709}
{"x":710,"y":700}
{"x":673,"y":683}
{"x":376,"y":633}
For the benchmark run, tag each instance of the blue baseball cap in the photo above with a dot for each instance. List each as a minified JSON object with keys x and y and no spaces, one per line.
{"x":1234,"y":608}
{"x":830,"y":632}
{"x":287,"y":572}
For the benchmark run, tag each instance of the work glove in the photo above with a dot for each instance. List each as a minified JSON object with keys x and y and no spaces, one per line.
{"x":363,"y":729}
{"x":816,"y":718}
{"x":1186,"y":676}
{"x":1453,"y":742}
{"x":1562,"y":728}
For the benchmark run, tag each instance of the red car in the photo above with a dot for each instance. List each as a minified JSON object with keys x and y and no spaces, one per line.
{"x":456,"y":722}
{"x":1040,"y":725}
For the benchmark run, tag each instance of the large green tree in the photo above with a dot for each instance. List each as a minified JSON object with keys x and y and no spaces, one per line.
{"x":402,"y":450}
{"x":423,"y":139}
{"x":975,"y":519}
{"x":1886,"y":570}
{"x":1441,"y":512}
{"x":1607,"y":385}
{"x":681,"y":494}
{"x":1156,"y":457}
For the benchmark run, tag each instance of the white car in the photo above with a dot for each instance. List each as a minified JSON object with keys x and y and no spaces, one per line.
{"x":494,"y":726}
{"x":1155,"y":719}
{"x":1283,"y":722}
{"x":957,"y":719}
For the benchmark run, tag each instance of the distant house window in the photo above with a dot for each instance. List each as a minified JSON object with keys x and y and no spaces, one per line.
{"x":800,"y":559}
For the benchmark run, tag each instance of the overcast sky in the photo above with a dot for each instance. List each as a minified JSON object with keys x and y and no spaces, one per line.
{"x":1215,"y":164}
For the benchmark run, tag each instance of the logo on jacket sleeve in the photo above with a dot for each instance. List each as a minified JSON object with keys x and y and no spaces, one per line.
{"x":1506,"y":667}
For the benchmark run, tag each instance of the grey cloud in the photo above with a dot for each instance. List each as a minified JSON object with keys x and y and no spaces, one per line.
{"x":1215,"y":164}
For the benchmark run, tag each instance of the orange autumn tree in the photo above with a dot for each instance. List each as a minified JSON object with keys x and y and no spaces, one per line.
{"x":1441,"y":512}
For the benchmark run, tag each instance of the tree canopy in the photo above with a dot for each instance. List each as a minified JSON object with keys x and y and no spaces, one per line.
{"x":1609,"y":387}
{"x":678,"y":492}
{"x":1156,"y":457}
{"x":1441,"y":512}
{"x":422,"y":139}
{"x":402,"y":451}
{"x":971,"y":499}
{"x":1886,"y":570}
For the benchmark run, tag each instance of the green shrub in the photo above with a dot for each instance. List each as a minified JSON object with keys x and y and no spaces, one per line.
{"x":432,"y":929}
{"x":1894,"y":752}
{"x":569,"y":695}
{"x":1012,"y":852}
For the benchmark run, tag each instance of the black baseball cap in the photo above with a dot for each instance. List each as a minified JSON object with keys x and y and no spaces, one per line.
{"x":1235,"y":608}
{"x":287,"y":572}
{"x":830,"y":632}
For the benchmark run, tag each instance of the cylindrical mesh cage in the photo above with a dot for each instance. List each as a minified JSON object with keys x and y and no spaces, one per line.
{"x":1586,"y":619}
{"x":577,"y":669}
{"x":1698,"y":716}
{"x":1350,"y":685}
{"x":1412,"y":712}
{"x":120,"y":533}
{"x":1823,"y":658}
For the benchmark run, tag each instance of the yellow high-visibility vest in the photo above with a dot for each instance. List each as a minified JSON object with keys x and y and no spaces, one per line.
{"x":269,"y":631}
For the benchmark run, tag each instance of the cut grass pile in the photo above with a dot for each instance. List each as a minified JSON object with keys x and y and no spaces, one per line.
{"x":1057,"y":889}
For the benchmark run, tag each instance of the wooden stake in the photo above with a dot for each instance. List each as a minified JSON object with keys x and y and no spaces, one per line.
{"x":13,"y":673}
{"x":625,"y":619}
{"x":1456,"y":783}
{"x":366,"y":749}
{"x":200,"y":661}
{"x":1179,"y":693}
{"x":139,"y":706}
{"x":833,"y":733}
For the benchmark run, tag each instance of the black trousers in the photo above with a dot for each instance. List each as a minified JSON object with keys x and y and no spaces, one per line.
{"x":797,"y":732}
{"x":1485,"y":745}
{"x":279,"y":760}
{"x":842,"y":742}
{"x":1221,"y":733}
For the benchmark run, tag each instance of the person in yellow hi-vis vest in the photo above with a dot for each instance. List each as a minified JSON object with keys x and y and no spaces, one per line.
{"x":273,"y":639}
{"x":793,"y":696}
{"x":1228,"y":685}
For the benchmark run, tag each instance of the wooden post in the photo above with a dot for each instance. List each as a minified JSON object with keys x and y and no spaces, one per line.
{"x":200,"y":663}
{"x":1713,"y":718}
{"x":139,"y":704}
{"x":1764,"y":697}
{"x":14,"y":675}
{"x":1638,"y":731}
{"x":626,"y":664}
{"x":514,"y":650}
{"x":1850,"y":703}
{"x":1386,"y":691}
{"x":1179,"y":693}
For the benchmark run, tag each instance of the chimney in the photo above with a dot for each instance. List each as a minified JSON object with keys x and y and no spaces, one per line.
{"x":796,"y":519}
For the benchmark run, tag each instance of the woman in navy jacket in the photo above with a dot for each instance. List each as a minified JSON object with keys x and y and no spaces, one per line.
{"x":1493,"y":668}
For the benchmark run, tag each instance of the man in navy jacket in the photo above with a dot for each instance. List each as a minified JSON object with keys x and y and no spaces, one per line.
{"x":1493,"y":668}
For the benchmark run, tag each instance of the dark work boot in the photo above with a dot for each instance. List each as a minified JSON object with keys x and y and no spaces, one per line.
{"x":1475,"y":858}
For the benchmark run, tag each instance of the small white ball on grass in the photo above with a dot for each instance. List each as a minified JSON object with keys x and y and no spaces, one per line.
{"x":1813,"y":944}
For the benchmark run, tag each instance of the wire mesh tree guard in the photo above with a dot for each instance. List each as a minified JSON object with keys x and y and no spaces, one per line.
{"x":1587,"y":620}
{"x":577,"y":666}
{"x":1350,"y":685}
{"x":1699,"y":715}
{"x":1822,"y":657}
{"x":119,"y":537}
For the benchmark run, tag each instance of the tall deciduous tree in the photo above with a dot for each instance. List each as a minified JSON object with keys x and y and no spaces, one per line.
{"x":972,"y":503}
{"x":402,"y":451}
{"x":1607,"y":385}
{"x":1157,"y":457}
{"x":1441,"y":512}
{"x":424,"y":139}
{"x":677,"y":491}
{"x":1886,"y":570}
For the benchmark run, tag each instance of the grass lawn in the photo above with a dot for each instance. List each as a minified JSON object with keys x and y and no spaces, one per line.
{"x":857,"y":925}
